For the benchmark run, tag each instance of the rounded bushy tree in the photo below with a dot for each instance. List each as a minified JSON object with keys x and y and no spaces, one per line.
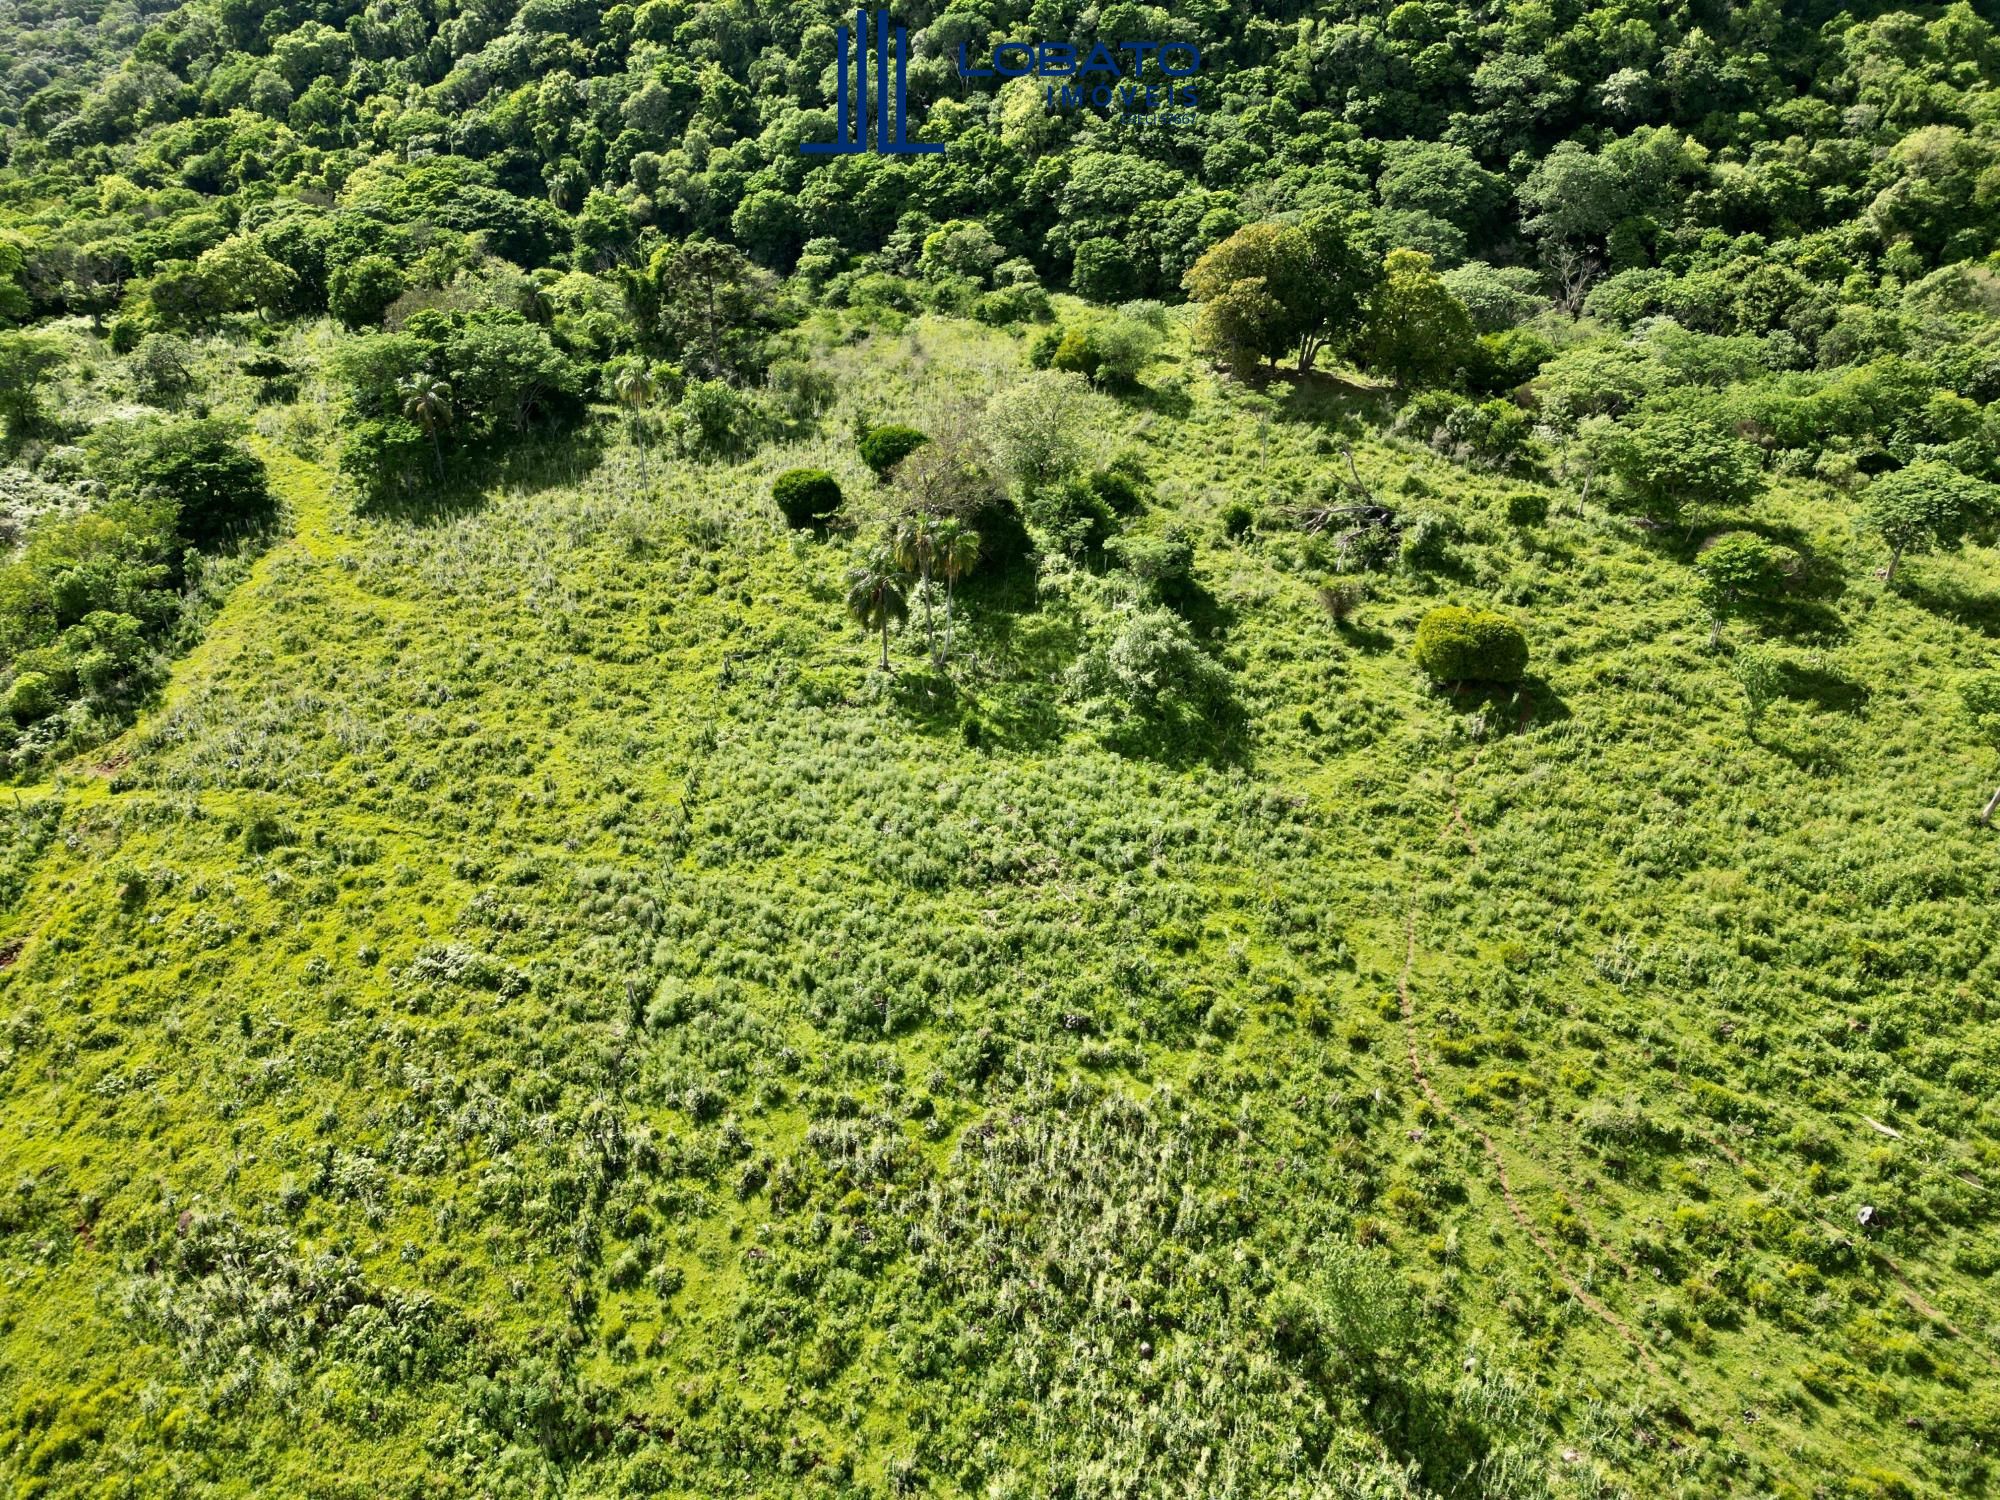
{"x":882,"y":448}
{"x":808,"y":497}
{"x":1471,"y":645}
{"x":30,"y":697}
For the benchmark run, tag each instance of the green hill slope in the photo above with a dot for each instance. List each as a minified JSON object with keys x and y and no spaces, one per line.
{"x":534,"y":1012}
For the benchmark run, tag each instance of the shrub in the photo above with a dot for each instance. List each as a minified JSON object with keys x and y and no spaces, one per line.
{"x":1121,"y":485}
{"x":882,"y":448}
{"x":1527,"y":509}
{"x":802,"y":389}
{"x":714,"y":419}
{"x":1163,"y":564}
{"x":1013,"y":304}
{"x":1077,"y":519}
{"x":1149,"y":684}
{"x":1078,"y":354}
{"x":806,"y":496}
{"x":1455,"y":644}
{"x":30,"y":698}
{"x":1042,"y":347}
{"x":1124,"y":345}
{"x":1426,"y":543}
{"x":1341,"y":600}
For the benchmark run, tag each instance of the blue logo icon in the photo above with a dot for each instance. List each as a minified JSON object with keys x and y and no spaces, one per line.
{"x":851,"y":127}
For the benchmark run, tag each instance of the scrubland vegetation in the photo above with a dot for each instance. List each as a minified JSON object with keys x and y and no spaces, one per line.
{"x":1295,"y":811}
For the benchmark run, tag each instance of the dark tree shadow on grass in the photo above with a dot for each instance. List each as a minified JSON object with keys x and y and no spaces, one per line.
{"x":544,"y":461}
{"x":1975,"y":608}
{"x":1333,"y":401}
{"x":1207,"y":616}
{"x":1364,"y":637}
{"x":1164,"y":401}
{"x":1510,"y":708}
{"x":1824,"y":689}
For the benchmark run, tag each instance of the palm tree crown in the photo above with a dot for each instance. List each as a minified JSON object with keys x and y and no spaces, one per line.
{"x":875,"y":596}
{"x":427,"y":402}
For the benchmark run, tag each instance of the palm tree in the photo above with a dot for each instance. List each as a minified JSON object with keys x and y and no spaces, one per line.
{"x":427,"y":402}
{"x":958,"y":554}
{"x":636,"y":389}
{"x":875,"y":595}
{"x":915,"y":546}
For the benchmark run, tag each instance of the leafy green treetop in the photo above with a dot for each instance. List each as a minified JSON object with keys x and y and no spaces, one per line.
{"x":1676,"y":454}
{"x":1418,"y":333}
{"x":1736,"y":568}
{"x":1275,"y":289}
{"x":1922,"y":508}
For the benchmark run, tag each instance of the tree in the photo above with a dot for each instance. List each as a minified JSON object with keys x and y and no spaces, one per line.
{"x":1103,"y":271}
{"x":914,"y":545}
{"x":1925,"y":507}
{"x":244,"y":276}
{"x":766,"y":223}
{"x":360,"y":292}
{"x":27,"y":360}
{"x":710,"y":297}
{"x":1240,"y":323}
{"x":427,"y":403}
{"x":875,"y":596}
{"x":1036,"y":427}
{"x":1675,"y":453}
{"x":1736,"y":568}
{"x":13,"y":292}
{"x":201,"y":466}
{"x":959,"y":247}
{"x":1417,"y":332}
{"x":1470,"y":645}
{"x":1271,"y":289}
{"x":637,"y":388}
{"x":946,"y":476}
{"x":505,"y":370}
{"x":1444,"y":181}
{"x":163,"y":369}
{"x":1942,"y":195}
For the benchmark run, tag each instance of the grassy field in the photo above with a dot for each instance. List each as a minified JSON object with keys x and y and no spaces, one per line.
{"x":533,"y":1011}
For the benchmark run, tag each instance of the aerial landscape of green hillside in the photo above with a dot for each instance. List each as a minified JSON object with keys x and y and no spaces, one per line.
{"x":1291,"y":796}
